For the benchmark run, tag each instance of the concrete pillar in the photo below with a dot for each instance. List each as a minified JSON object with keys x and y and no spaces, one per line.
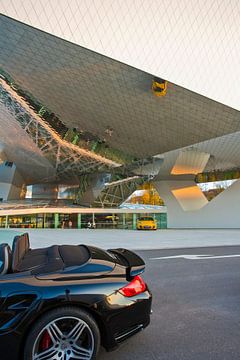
{"x":186,"y":208}
{"x":6,"y":223}
{"x":96,"y":183}
{"x":181,"y":198}
{"x":56,"y":221}
{"x":11,"y":182}
{"x":79,"y":221}
{"x":124,"y":220}
{"x":134,"y":221}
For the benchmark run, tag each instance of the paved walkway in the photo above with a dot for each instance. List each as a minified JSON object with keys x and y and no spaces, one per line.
{"x":137,"y":240}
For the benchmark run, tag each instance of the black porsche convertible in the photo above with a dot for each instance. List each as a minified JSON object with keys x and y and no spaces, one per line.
{"x":63,"y":302}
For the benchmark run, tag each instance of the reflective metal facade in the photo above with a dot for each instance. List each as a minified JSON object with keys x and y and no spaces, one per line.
{"x":95,"y":93}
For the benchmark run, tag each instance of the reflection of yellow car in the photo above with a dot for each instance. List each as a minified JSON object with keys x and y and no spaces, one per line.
{"x":159,"y":87}
{"x":147,"y":223}
{"x":111,"y":218}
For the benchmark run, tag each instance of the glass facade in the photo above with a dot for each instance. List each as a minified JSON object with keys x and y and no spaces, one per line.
{"x":79,"y":221}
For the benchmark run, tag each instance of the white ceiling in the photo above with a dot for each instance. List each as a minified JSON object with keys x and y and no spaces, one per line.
{"x":193,"y":43}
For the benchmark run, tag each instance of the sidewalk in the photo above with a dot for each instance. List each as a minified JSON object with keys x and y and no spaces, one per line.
{"x":136,"y":240}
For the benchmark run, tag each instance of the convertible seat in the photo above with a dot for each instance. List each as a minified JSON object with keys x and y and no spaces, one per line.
{"x":46,"y":260}
{"x":20,"y":247}
{"x":42,"y":261}
{"x":25,"y":259}
{"x":5,"y":259}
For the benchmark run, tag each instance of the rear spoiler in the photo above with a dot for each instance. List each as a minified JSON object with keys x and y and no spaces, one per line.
{"x":134,"y":263}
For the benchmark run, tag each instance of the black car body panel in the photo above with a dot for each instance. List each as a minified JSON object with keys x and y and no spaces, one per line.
{"x":94,"y":286}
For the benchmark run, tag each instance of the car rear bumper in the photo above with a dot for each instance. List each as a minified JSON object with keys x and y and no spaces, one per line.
{"x":132,"y":316}
{"x":130,"y":332}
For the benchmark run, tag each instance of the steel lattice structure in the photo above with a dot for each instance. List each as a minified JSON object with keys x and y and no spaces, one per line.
{"x":115,"y":193}
{"x":69,"y":160}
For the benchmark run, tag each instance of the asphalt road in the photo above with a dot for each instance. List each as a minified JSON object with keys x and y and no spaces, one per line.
{"x":196,"y":307}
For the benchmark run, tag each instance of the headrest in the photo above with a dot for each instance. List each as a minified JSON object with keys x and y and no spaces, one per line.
{"x":5,"y":259}
{"x":20,"y":248}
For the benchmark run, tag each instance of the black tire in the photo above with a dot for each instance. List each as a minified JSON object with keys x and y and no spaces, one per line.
{"x":54,"y":315}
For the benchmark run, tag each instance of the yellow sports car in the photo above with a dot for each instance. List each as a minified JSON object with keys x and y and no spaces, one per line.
{"x":146,"y":223}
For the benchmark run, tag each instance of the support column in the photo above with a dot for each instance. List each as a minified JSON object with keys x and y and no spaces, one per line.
{"x":134,"y":221}
{"x":124,"y":220}
{"x":6,"y":222}
{"x":56,"y":221}
{"x":182,"y":198}
{"x":79,"y":221}
{"x":187,"y":208}
{"x":11,"y":182}
{"x":95,"y":184}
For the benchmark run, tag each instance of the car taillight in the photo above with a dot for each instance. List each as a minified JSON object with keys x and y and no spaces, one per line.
{"x":135,"y":287}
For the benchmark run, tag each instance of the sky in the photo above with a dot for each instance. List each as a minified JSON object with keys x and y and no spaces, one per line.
{"x":193,"y":43}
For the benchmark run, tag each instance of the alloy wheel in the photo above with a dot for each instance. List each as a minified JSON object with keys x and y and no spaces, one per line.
{"x":65,"y":338}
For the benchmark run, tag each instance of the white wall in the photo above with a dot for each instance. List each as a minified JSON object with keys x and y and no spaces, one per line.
{"x":4,"y":190}
{"x":221,"y":212}
{"x":11,"y":182}
{"x":9,"y":192}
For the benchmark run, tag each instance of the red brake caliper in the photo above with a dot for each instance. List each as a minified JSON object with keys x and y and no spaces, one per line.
{"x":45,"y":342}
